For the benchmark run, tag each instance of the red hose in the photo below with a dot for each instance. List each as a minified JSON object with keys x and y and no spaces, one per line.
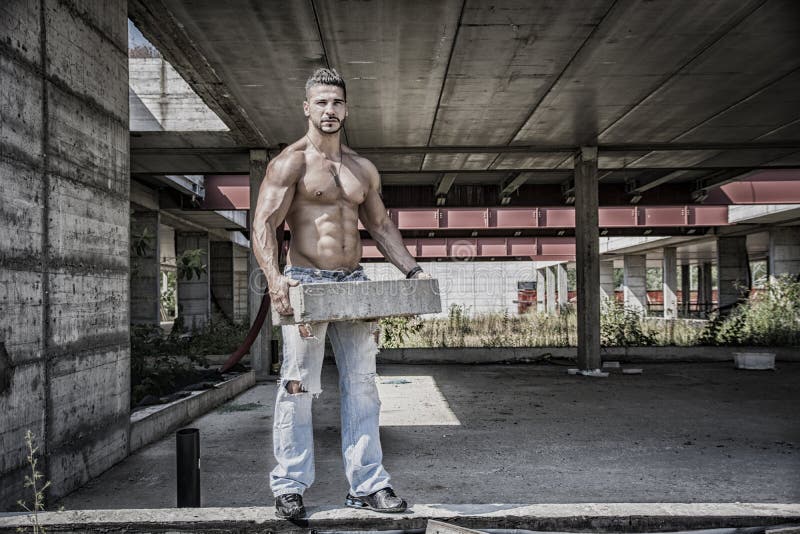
{"x":261,"y":316}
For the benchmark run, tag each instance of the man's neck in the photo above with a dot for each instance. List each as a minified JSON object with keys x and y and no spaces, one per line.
{"x":328,"y":144}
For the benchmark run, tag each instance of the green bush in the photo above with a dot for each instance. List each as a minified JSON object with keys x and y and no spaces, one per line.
{"x":770,"y":318}
{"x":622,"y":326}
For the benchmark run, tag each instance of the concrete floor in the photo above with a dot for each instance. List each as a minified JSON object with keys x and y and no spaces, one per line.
{"x":511,"y":434}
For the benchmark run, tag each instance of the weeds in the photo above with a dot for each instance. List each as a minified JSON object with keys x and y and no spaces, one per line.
{"x":32,"y":481}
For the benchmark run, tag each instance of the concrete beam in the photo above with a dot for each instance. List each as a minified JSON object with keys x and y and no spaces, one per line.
{"x":705,"y":286}
{"x":669,"y":271}
{"x":194,"y":295}
{"x":541,"y":290}
{"x":686,"y":288}
{"x":587,"y":255}
{"x":222,"y":284}
{"x":346,"y":301}
{"x":607,"y":280}
{"x":261,"y":350}
{"x":635,"y":281}
{"x":443,"y":187}
{"x":784,"y":251}
{"x":145,"y":277}
{"x":562,"y":281}
{"x":550,"y":296}
{"x":733,"y":271}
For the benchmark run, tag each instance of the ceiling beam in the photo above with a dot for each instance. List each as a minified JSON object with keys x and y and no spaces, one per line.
{"x":443,"y":187}
{"x":513,"y":182}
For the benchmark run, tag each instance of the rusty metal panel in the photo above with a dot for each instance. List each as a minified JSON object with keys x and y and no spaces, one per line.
{"x":492,"y":246}
{"x":465,"y":218}
{"x":663,"y":215}
{"x":708,"y":215}
{"x":557,"y":246}
{"x":462,"y":248}
{"x":617,"y":217}
{"x":411,"y":246}
{"x":419,"y":219}
{"x":227,"y":192}
{"x":522,"y":246}
{"x":369,"y":249}
{"x":516,"y":218}
{"x":433,"y":247}
{"x":557,"y":217}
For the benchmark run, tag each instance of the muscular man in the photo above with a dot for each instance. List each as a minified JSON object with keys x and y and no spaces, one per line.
{"x":322,"y":188}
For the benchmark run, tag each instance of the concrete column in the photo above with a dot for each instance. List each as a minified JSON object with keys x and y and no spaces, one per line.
{"x":705,"y":286}
{"x":240,"y":277}
{"x":784,"y":251}
{"x":634,"y":283}
{"x":669,"y":269}
{"x":221,"y":266}
{"x":563,"y":286}
{"x":587,"y":253}
{"x":541,"y":290}
{"x":64,"y":243}
{"x":145,"y":268}
{"x":194,"y":295}
{"x":686,"y":288}
{"x":607,"y":280}
{"x":550,"y":298}
{"x":733,"y":271}
{"x":260,"y":351}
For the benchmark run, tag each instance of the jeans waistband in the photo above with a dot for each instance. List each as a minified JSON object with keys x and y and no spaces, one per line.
{"x":311,"y":275}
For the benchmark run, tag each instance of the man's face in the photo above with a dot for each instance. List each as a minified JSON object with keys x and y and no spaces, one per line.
{"x":326,"y":108}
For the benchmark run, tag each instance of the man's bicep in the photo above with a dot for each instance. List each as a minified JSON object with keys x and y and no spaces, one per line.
{"x":276,"y":194}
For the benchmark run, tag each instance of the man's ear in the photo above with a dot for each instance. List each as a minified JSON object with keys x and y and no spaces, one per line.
{"x":305,"y":108}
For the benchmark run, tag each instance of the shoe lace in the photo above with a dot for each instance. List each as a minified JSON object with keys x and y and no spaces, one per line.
{"x":292,"y":497}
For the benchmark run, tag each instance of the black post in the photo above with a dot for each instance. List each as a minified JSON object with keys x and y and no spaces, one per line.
{"x":188,"y":465}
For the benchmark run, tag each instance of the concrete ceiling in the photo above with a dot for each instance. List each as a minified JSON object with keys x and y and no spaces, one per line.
{"x":718,"y":79}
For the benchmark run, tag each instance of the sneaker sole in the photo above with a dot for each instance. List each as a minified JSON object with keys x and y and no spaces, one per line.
{"x":299,"y":515}
{"x":361,"y":505}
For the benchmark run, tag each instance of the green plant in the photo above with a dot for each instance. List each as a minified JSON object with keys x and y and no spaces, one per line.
{"x":32,"y":481}
{"x":395,"y":330}
{"x":770,"y":317}
{"x":190,"y":264}
{"x":142,"y":242}
{"x":622,"y":326}
{"x":169,"y":294}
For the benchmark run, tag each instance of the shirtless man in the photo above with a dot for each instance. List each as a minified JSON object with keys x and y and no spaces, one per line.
{"x":322,"y":188}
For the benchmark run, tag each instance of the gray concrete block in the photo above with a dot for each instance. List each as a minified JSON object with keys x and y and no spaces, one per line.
{"x":344,"y":301}
{"x":86,"y":145}
{"x":22,"y":20}
{"x":22,"y":408}
{"x":87,"y":309}
{"x":86,"y":227}
{"x":21,"y":188}
{"x":86,"y":59}
{"x":21,"y":319}
{"x":21,"y":105}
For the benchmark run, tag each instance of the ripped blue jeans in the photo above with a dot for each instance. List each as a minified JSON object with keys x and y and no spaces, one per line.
{"x":355,"y":348}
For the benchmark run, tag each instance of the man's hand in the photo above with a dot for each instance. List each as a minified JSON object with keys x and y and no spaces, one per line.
{"x":279,"y":294}
{"x":422,"y":275}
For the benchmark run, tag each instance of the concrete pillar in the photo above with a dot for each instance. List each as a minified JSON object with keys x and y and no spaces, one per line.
{"x":686,"y":289}
{"x":240,"y":277}
{"x":221,"y":266}
{"x":784,"y":251}
{"x":669,"y":269}
{"x":541,"y":290}
{"x":733,"y":271}
{"x":194,"y":295}
{"x":563,"y":286}
{"x":550,"y":298}
{"x":705,"y":286}
{"x":634,"y":283}
{"x":145,"y":278}
{"x":587,"y":253}
{"x":64,"y":243}
{"x":607,"y":280}
{"x":260,"y":351}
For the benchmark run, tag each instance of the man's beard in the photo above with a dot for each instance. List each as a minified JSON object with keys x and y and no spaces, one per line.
{"x":318,"y":126}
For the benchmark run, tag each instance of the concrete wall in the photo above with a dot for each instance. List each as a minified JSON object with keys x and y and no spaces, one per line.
{"x":482,"y":287}
{"x":194,"y":296}
{"x":162,"y":100}
{"x":145,"y":278}
{"x":222,"y":277}
{"x":64,"y":181}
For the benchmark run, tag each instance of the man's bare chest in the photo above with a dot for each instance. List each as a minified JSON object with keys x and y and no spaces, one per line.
{"x":320,"y":185}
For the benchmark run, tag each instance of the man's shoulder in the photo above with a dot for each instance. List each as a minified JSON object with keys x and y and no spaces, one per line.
{"x":290,"y":163}
{"x":363,"y":163}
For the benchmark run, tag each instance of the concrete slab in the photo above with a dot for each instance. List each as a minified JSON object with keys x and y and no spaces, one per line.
{"x":509,"y":433}
{"x":343,"y":301}
{"x":614,"y":517}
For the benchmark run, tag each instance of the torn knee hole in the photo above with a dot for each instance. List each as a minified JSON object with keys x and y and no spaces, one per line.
{"x":294,"y":387}
{"x":305,"y":330}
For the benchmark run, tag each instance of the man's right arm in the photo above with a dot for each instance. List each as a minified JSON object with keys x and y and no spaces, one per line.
{"x":274,"y":199}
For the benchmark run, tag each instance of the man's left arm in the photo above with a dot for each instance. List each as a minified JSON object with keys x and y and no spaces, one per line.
{"x":376,"y":220}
